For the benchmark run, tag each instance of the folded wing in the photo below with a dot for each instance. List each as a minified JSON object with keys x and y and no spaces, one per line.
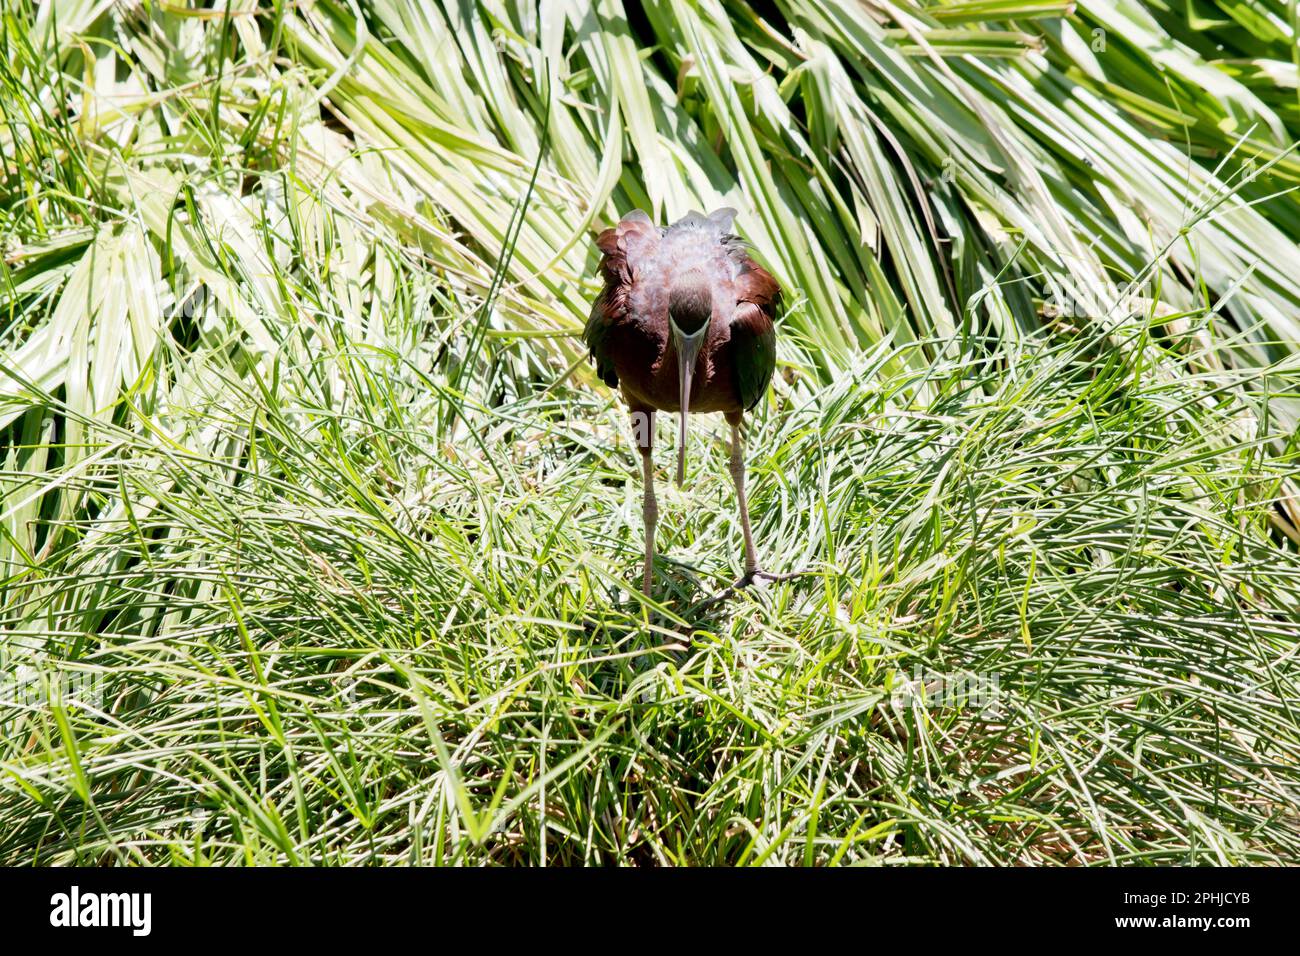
{"x":753,"y":334}
{"x":627,"y":249}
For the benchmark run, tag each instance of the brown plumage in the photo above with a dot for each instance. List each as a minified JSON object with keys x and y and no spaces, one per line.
{"x":684,"y":324}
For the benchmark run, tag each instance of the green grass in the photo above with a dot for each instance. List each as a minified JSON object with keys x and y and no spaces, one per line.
{"x":319,"y":544}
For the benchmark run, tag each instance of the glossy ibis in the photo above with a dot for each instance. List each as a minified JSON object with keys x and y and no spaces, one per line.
{"x":684,"y":324}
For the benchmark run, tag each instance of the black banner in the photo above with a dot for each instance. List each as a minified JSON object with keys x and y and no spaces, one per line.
{"x":337,"y":905}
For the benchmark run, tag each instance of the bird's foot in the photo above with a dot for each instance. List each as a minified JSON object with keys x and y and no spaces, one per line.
{"x":755,"y":578}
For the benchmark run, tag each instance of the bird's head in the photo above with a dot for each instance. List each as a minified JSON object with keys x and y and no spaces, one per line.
{"x":690,"y":308}
{"x":690,"y":302}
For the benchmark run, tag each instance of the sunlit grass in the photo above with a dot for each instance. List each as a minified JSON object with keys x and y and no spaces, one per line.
{"x":348,"y":642}
{"x":318,"y":543}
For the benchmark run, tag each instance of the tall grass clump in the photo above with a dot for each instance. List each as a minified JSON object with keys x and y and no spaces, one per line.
{"x":318,"y":545}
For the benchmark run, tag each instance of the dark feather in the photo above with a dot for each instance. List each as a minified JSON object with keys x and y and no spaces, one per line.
{"x":628,"y":331}
{"x":624,"y":247}
{"x":753,"y":334}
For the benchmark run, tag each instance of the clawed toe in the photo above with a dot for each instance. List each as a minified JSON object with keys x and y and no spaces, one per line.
{"x":759,"y":577}
{"x":755,"y":578}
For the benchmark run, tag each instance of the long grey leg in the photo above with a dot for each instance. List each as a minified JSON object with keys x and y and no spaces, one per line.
{"x":752,"y":573}
{"x":650,"y":512}
{"x":645,"y":429}
{"x":737,"y":466}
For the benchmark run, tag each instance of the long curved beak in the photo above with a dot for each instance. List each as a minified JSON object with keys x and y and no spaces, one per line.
{"x":688,"y":349}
